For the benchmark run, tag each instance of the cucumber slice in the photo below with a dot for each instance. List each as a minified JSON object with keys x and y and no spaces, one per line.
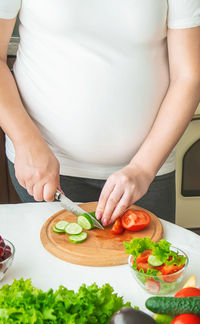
{"x":78,"y":238}
{"x":154,"y":261}
{"x":85,"y":222}
{"x":61,"y":225}
{"x":73,"y":228}
{"x":57,"y":230}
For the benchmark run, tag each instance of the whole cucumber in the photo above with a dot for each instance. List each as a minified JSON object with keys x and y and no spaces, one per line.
{"x":173,"y":305}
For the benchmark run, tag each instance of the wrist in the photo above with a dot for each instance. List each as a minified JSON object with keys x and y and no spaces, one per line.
{"x":147,"y":170}
{"x":30,"y":136}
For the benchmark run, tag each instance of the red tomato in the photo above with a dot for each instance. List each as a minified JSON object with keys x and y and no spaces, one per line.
{"x":135,"y":220}
{"x":188,"y":292}
{"x":186,"y":319}
{"x":171,"y":269}
{"x":152,"y":285}
{"x":143,"y":258}
{"x":117,"y":227}
{"x":144,"y":266}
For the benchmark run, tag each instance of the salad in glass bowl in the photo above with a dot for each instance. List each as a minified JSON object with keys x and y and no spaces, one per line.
{"x":158,"y":267}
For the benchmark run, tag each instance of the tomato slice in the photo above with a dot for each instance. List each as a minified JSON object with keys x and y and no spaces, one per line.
{"x":168,"y":269}
{"x":152,"y":285}
{"x":143,"y":257}
{"x":135,"y":220}
{"x":188,"y":292}
{"x":144,"y":266}
{"x":171,"y":269}
{"x":117,"y":227}
{"x":186,"y":319}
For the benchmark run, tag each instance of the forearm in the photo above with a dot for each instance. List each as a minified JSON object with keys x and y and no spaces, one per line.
{"x":14,"y":119}
{"x":174,"y":115}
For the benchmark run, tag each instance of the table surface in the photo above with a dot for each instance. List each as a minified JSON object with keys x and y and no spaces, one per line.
{"x":21,"y":224}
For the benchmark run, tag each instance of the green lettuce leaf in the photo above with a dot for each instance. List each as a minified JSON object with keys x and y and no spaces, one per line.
{"x":23,"y":303}
{"x":160,"y":249}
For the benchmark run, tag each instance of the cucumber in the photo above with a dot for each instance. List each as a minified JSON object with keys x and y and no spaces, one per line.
{"x":73,"y":228}
{"x":57,"y":230}
{"x":85,"y":222}
{"x":154,"y":261}
{"x":61,"y":225}
{"x":173,"y":305}
{"x":78,"y":238}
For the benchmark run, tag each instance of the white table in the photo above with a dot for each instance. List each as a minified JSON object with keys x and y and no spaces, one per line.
{"x":21,"y":224}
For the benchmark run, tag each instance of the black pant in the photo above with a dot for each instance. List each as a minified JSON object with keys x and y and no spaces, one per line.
{"x":160,"y":198}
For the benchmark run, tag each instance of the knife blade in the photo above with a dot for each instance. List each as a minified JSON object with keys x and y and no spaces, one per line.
{"x":74,"y":208}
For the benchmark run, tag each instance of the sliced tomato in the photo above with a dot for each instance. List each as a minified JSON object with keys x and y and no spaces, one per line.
{"x":152,"y":285}
{"x":171,"y":269}
{"x":188,"y":292}
{"x":144,"y":266}
{"x":117,"y":227}
{"x":143,"y":258}
{"x":186,"y":319}
{"x":135,"y":220}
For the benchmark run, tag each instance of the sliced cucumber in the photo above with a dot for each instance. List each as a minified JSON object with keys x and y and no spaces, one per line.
{"x":154,"y":261}
{"x":78,"y":238}
{"x":85,"y":221}
{"x":57,"y":230}
{"x":61,"y":225}
{"x":73,"y":228}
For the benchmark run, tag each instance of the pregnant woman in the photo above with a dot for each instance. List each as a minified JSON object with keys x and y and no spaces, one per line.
{"x":101,"y":92}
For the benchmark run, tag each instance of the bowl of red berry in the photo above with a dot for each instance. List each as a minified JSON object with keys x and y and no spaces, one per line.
{"x":7,"y":252}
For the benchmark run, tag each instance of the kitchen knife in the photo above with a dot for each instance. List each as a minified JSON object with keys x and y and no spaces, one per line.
{"x":74,"y":208}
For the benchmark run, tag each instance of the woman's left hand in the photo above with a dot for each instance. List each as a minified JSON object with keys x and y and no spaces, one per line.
{"x":120,"y":191}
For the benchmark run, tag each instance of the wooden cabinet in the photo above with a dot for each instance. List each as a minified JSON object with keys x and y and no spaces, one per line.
{"x":7,"y":191}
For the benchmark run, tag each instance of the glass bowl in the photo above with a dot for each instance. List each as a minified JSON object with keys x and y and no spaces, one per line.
{"x":5,"y":264}
{"x":160,"y":284}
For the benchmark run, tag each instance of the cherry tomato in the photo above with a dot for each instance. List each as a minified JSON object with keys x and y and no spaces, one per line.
{"x":152,"y":285}
{"x":117,"y":227}
{"x":188,"y":292}
{"x":143,"y":258}
{"x":135,"y":220}
{"x":186,"y":319}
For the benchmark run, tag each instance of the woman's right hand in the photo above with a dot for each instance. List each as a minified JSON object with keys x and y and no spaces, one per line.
{"x":37,"y":170}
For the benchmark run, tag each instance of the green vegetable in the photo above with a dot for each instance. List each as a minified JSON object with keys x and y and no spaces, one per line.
{"x":136,"y":246}
{"x":61,"y":225}
{"x":78,"y":238}
{"x":173,"y":305}
{"x":154,"y":261}
{"x":161,"y":250}
{"x":23,"y":303}
{"x":85,"y":222}
{"x":163,"y":319}
{"x":57,"y":230}
{"x":73,"y":228}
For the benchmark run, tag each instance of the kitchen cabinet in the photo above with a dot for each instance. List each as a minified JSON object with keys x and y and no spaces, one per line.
{"x":7,"y":191}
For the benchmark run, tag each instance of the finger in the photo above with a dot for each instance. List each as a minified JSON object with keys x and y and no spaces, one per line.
{"x":49,"y":191}
{"x":29,"y":188}
{"x":59,"y":188}
{"x":21,"y":182}
{"x":111,"y":204}
{"x":38,"y":192}
{"x":105,"y":193}
{"x":123,"y":204}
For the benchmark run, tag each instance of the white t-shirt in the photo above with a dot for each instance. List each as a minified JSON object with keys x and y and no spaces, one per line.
{"x":92,"y":75}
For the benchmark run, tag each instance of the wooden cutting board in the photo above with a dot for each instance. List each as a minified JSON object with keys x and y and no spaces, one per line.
{"x":101,"y":248}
